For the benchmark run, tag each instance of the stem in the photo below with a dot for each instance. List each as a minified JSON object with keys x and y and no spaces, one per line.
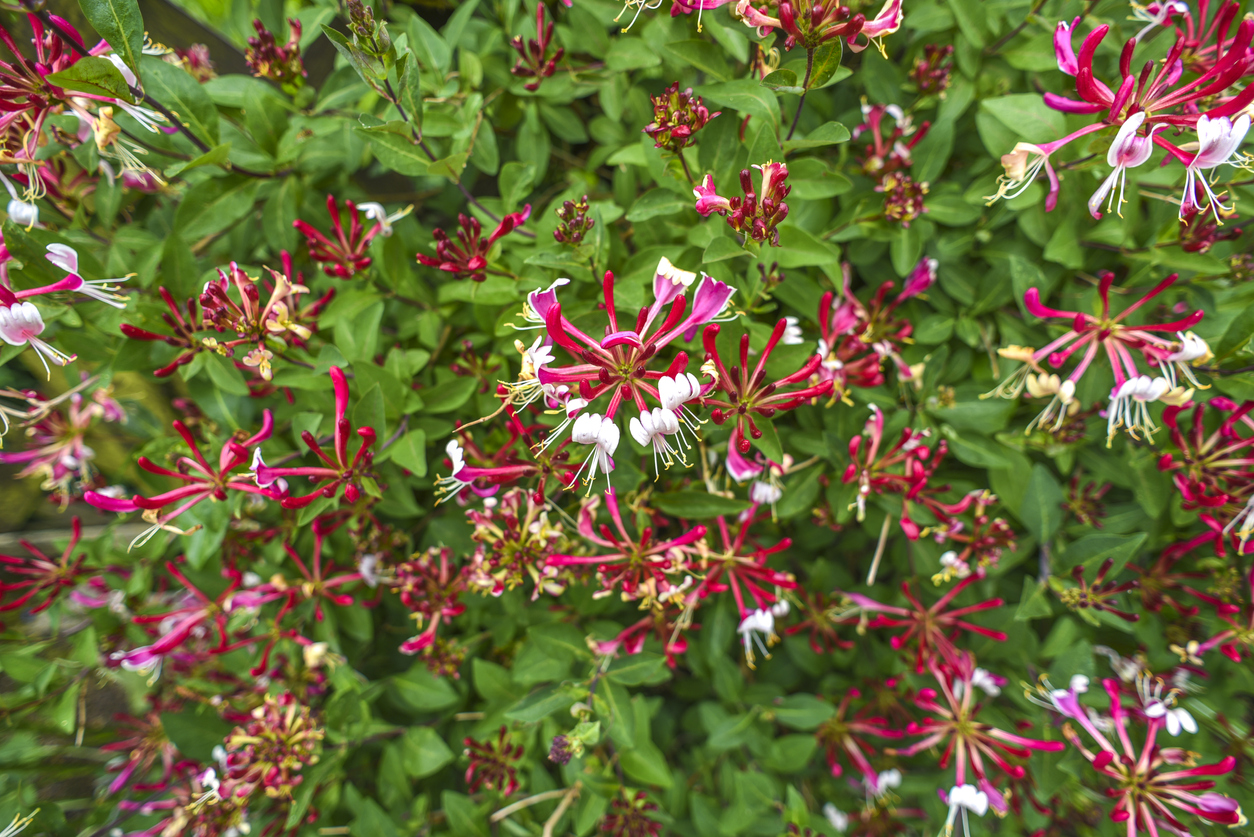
{"x":528,"y":802}
{"x":805,"y":88}
{"x":431,"y":156}
{"x":687,"y":173}
{"x":1009,"y":36}
{"x":879,"y":550}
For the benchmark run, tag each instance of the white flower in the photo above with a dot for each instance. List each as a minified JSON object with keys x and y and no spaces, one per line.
{"x":1129,"y":406}
{"x":66,"y":258}
{"x":764,"y":493}
{"x":375,"y":212}
{"x":1218,"y":140}
{"x":757,"y":629}
{"x":539,"y":355}
{"x":450,"y":486}
{"x":967,"y":799}
{"x":600,"y":432}
{"x":838,"y":819}
{"x":675,"y":393}
{"x":1127,"y":151}
{"x":884,"y":782}
{"x":792,"y":332}
{"x":1177,"y":719}
{"x":368,"y":568}
{"x":985,"y":681}
{"x":780,"y":609}
{"x":126,"y":72}
{"x":21,"y":323}
{"x":651,"y":430}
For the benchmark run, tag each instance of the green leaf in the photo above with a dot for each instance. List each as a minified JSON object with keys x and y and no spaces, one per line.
{"x":409,"y":93}
{"x":647,"y":765}
{"x":1027,"y":115}
{"x":804,"y":712}
{"x":215,"y":204}
{"x":1093,"y":550}
{"x":829,"y":133}
{"x":540,"y":704}
{"x":698,"y":505}
{"x":515,"y":183}
{"x":94,"y":75}
{"x":219,"y":155}
{"x":422,"y":691}
{"x":224,"y":375}
{"x":410,"y":452}
{"x":450,"y":166}
{"x":769,"y":444}
{"x":560,"y":640}
{"x":826,"y":69}
{"x":183,"y":96}
{"x":705,"y":56}
{"x":746,"y":96}
{"x":423,"y":752}
{"x":636,"y":669}
{"x":1237,"y":334}
{"x":396,"y":149}
{"x":120,"y":23}
{"x":782,"y":81}
{"x":790,"y":753}
{"x":195,"y":730}
{"x":450,"y":395}
{"x":721,"y":249}
{"x":1034,"y":601}
{"x":656,"y":202}
{"x":1041,"y":511}
{"x":464,"y":816}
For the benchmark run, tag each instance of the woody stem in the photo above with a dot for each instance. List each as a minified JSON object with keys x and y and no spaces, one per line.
{"x":805,"y":88}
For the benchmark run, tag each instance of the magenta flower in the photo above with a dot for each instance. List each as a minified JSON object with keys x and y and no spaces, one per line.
{"x":201,"y":481}
{"x":336,"y":472}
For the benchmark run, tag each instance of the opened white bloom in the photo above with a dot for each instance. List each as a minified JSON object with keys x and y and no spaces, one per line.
{"x":21,"y":323}
{"x":985,"y":681}
{"x":1129,"y":406}
{"x":967,"y":799}
{"x":375,"y":212}
{"x":781,"y":608}
{"x":651,"y":430}
{"x":600,"y":432}
{"x":1127,"y":151}
{"x":22,"y":213}
{"x":757,"y":630}
{"x":675,"y":393}
{"x":102,"y":290}
{"x":1193,"y":350}
{"x":792,"y":332}
{"x":764,"y":493}
{"x":1218,"y":140}
{"x":837,"y":818}
{"x":1177,"y":719}
{"x":884,"y":782}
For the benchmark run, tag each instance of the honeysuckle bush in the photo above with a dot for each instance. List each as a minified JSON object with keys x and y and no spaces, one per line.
{"x":749,"y":418}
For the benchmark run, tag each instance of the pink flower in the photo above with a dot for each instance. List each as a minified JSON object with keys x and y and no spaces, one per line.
{"x":708,"y":200}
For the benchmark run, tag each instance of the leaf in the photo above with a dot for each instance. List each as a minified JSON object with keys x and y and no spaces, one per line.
{"x":464,"y":817}
{"x":225,"y":376}
{"x":120,"y":23}
{"x":515,"y":183}
{"x":422,"y":691}
{"x":183,"y":96}
{"x":1238,"y":333}
{"x":410,"y":452}
{"x":410,"y":94}
{"x":1034,"y":601}
{"x":560,"y":640}
{"x":657,"y":202}
{"x":705,"y":56}
{"x":94,"y":75}
{"x":423,"y":752}
{"x":746,"y":96}
{"x":698,"y":505}
{"x":1093,"y":550}
{"x":450,"y":166}
{"x":540,"y":704}
{"x":219,"y":155}
{"x":1027,"y":115}
{"x":790,"y":753}
{"x":636,"y":669}
{"x":769,"y":444}
{"x":829,"y":133}
{"x":804,"y":712}
{"x":1041,"y":511}
{"x":196,"y":730}
{"x":646,"y":764}
{"x":826,"y":69}
{"x":393,"y":146}
{"x":721,"y":249}
{"x":213,"y":205}
{"x":450,"y":395}
{"x":782,"y":81}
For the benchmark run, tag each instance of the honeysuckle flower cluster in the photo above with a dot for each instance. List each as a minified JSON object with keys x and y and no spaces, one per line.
{"x":1105,"y":337}
{"x":677,"y":116}
{"x":470,"y":259}
{"x":534,"y":61}
{"x":1200,"y":96}
{"x":753,"y":216}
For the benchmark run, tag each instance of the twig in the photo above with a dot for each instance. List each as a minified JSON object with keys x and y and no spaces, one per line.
{"x":805,"y":88}
{"x":879,"y":551}
{"x":1009,"y":36}
{"x":551,"y":822}
{"x":528,"y":802}
{"x":400,"y":430}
